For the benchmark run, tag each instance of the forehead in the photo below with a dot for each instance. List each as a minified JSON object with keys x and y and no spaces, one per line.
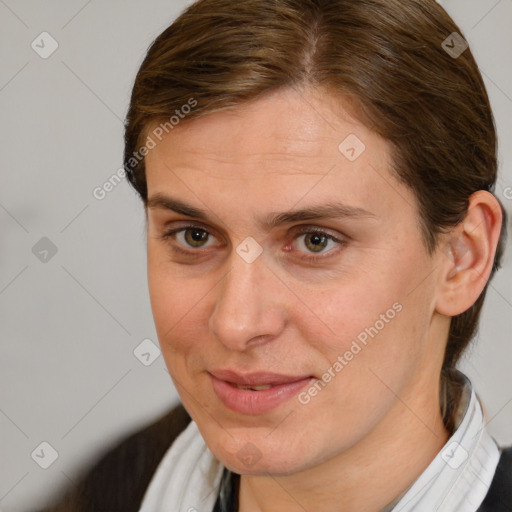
{"x":290,"y":125}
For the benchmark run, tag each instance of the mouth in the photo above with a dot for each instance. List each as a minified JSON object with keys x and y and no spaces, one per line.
{"x":256,"y":393}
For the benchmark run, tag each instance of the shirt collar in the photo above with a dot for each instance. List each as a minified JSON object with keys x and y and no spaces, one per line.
{"x":460,"y":475}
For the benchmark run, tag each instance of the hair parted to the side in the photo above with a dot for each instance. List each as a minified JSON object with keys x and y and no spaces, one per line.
{"x":385,"y":55}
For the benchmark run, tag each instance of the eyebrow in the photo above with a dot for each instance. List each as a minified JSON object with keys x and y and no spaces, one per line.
{"x":273,"y":219}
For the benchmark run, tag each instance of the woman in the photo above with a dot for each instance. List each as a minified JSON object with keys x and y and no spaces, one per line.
{"x":321,"y":230}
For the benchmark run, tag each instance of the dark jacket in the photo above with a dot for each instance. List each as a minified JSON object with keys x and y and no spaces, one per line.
{"x":117,"y":482}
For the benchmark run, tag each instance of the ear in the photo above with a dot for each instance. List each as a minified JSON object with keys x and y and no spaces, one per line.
{"x":468,"y":255}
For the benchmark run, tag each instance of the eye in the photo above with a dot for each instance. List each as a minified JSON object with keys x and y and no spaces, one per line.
{"x":316,"y":241}
{"x":193,"y":237}
{"x":313,"y":244}
{"x":190,"y":237}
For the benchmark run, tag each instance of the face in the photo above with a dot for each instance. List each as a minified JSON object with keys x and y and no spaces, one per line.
{"x":280,"y":260}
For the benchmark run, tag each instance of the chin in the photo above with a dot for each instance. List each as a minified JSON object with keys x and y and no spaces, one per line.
{"x":248,"y":453}
{"x":279,"y":465}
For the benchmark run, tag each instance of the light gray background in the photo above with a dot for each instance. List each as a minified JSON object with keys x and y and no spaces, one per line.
{"x":69,"y":326}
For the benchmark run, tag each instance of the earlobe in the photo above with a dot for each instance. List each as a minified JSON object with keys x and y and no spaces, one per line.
{"x":470,"y":249}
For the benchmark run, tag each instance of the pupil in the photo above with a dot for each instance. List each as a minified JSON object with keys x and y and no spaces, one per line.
{"x":318,"y":242}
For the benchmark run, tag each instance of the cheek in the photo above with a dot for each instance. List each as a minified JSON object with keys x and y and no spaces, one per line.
{"x":354,"y":310}
{"x":376,"y":319}
{"x":177,"y":304}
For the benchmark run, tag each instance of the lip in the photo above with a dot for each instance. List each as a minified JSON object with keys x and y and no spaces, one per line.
{"x":251,"y":402}
{"x":256,"y":378}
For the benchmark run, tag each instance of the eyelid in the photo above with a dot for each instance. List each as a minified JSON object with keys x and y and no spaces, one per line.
{"x":311,"y":228}
{"x":168,"y":233}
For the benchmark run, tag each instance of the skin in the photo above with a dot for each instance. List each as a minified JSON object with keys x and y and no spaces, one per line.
{"x":377,"y":424}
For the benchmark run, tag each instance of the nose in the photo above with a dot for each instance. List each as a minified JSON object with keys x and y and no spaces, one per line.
{"x":249,"y":310}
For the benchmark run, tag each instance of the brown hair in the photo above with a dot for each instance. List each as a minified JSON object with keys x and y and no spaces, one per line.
{"x":387,"y":55}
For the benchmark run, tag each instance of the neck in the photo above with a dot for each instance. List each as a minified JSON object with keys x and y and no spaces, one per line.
{"x":369,"y":476}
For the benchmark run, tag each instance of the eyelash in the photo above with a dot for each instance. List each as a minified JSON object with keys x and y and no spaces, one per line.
{"x":305,"y":231}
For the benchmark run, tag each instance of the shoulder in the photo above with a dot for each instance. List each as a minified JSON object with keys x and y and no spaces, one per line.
{"x":119,"y":479}
{"x":499,"y":497}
